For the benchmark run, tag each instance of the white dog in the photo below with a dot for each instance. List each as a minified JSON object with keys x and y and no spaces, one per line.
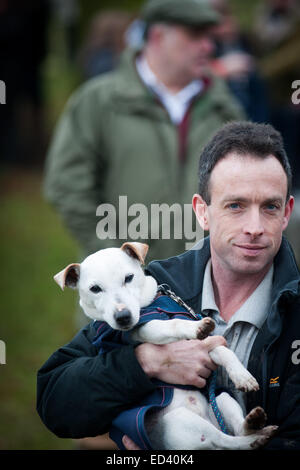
{"x":113,"y":288}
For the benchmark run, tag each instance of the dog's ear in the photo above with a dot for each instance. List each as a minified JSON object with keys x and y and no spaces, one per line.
{"x":68,"y":277}
{"x":136,"y":250}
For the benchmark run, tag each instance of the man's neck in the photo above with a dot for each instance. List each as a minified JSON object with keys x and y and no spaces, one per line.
{"x":231,"y":290}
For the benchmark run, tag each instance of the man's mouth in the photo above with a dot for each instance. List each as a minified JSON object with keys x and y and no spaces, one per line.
{"x":250,"y":249}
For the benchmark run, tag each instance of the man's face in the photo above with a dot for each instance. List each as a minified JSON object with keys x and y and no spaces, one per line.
{"x":247,"y":214}
{"x":186,"y":50}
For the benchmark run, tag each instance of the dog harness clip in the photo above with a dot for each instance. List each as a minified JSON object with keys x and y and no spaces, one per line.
{"x":165,"y":289}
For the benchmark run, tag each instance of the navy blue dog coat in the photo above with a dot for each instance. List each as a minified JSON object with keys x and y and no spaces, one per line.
{"x":132,"y":421}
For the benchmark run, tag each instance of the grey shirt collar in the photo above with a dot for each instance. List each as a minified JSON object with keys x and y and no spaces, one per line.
{"x":254,"y":310}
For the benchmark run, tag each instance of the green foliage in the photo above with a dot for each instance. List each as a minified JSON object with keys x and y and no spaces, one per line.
{"x":36,"y":318}
{"x":244,"y":11}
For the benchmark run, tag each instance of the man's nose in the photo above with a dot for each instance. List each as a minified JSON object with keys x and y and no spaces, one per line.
{"x":253,"y":225}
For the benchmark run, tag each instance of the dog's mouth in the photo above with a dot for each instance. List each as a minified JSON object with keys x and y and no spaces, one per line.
{"x":125,"y":328}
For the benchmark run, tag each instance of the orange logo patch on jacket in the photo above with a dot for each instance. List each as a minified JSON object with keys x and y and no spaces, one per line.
{"x":274,"y":382}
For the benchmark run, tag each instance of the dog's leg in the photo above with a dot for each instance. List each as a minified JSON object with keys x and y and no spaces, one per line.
{"x":255,"y":419}
{"x":232,"y":413}
{"x":168,"y":331}
{"x":183,"y":429}
{"x":234,"y":417}
{"x":239,"y":375}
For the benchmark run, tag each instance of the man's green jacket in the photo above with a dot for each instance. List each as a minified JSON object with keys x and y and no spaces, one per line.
{"x":116,"y":139}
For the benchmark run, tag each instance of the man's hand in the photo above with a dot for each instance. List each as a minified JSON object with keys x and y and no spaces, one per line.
{"x":129,"y":444}
{"x":185,"y":362}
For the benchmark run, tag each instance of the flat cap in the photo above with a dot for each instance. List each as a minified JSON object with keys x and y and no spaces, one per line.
{"x":196,"y":13}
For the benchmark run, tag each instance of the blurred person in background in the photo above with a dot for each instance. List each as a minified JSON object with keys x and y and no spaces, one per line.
{"x":274,"y":22}
{"x":276,"y":35}
{"x":23,"y":47}
{"x":104,"y":43}
{"x":236,"y":63}
{"x":68,"y":13}
{"x":138,"y":130}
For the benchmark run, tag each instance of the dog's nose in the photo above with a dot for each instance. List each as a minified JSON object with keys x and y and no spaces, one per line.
{"x":123,"y":317}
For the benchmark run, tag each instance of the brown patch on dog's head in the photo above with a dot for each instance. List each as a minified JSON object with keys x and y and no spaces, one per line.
{"x":69,"y":276}
{"x":136,"y":250}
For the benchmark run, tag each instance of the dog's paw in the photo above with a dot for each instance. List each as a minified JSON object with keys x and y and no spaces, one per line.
{"x":262,"y":436}
{"x":243,"y":380}
{"x":254,"y":420}
{"x":206,"y":326}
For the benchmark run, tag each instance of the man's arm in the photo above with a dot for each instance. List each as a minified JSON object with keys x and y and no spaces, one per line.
{"x":79,"y":392}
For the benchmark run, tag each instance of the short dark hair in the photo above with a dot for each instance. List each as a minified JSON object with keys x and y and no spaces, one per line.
{"x":243,"y":138}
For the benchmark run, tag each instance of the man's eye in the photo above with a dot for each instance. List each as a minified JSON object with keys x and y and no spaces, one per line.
{"x":271,"y":207}
{"x":128,"y":278}
{"x":234,"y":205}
{"x":95,"y":289}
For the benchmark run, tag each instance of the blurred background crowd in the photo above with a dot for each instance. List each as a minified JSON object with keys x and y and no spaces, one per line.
{"x":47,"y":49}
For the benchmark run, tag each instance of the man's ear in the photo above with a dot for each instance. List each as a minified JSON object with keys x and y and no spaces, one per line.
{"x":136,"y":250}
{"x":288,"y":211}
{"x":68,"y":277}
{"x":200,"y":209}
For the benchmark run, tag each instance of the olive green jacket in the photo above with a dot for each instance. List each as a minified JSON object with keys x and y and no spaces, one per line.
{"x":115,"y":139}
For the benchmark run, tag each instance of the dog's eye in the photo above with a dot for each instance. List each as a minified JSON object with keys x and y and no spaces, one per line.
{"x":95,"y":289}
{"x":128,"y":278}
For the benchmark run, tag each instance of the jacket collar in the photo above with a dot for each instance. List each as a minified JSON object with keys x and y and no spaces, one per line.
{"x":139,"y":97}
{"x":286,"y":271}
{"x":184,"y":273}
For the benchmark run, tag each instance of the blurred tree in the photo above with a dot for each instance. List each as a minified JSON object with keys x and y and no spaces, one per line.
{"x":88,"y":9}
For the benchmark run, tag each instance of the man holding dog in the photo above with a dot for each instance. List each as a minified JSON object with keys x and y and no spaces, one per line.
{"x":129,"y":132}
{"x":244,"y":276}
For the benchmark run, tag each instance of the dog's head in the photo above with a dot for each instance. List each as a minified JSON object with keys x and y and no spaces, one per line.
{"x":112,"y":285}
